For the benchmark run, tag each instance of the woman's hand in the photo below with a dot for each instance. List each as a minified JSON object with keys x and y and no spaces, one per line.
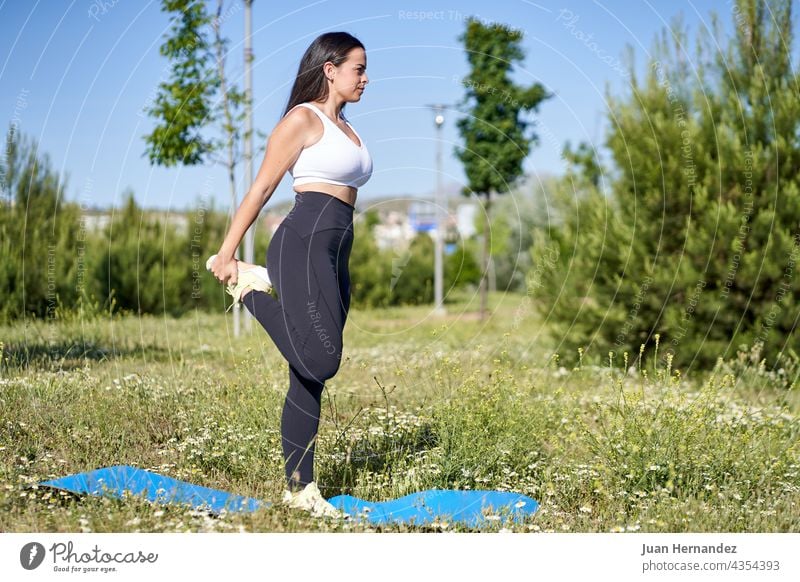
{"x":225,"y":269}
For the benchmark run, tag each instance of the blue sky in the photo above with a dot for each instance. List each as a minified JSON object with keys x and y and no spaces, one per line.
{"x":75,"y":75}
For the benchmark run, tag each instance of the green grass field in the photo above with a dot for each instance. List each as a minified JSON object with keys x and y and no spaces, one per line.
{"x":418,"y":403}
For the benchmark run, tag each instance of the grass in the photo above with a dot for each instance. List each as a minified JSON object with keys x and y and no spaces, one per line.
{"x":418,"y":403}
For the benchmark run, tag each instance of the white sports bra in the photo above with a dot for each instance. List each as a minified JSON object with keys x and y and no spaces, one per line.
{"x":334,"y":159}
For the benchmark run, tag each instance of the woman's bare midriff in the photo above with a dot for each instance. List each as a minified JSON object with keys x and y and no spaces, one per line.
{"x":344,"y":193}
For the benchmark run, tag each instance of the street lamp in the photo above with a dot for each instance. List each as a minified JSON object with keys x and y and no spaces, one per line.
{"x":248,"y":137}
{"x":438,"y":277}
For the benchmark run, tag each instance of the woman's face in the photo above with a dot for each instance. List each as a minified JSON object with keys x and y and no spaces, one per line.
{"x":350,"y":77}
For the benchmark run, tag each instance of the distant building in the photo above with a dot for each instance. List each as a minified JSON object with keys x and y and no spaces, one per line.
{"x":272,"y":221}
{"x":393,"y":231}
{"x":180,"y":222}
{"x":465,"y":220}
{"x":95,"y":220}
{"x":399,"y":220}
{"x":422,"y":216}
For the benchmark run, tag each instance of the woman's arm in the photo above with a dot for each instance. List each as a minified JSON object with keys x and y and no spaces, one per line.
{"x":283,"y":149}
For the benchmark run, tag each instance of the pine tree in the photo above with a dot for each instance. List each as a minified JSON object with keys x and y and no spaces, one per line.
{"x":698,"y":240}
{"x":38,"y":234}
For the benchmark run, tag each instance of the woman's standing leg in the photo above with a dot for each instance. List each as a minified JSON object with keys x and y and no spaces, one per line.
{"x":311,"y":276}
{"x":299,"y":426}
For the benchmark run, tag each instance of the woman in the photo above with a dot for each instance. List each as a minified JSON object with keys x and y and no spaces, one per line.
{"x":307,"y":258}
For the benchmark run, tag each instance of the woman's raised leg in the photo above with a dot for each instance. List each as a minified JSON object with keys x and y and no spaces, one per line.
{"x":306,"y":322}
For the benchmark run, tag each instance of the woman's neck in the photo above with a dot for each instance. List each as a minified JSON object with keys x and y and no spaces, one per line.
{"x":326,"y":107}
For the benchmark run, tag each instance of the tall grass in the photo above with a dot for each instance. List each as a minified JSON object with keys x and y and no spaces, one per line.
{"x":418,"y":403}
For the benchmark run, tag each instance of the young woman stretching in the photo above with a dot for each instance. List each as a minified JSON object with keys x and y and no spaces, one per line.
{"x":308,"y":256}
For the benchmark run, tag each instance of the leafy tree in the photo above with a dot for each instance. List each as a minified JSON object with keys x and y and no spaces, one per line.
{"x":495,"y":140}
{"x":207,"y":226}
{"x":183,"y":105}
{"x":371,"y":217}
{"x":387,"y":277}
{"x":198,"y":95}
{"x":584,"y":159}
{"x":413,"y":282}
{"x":369,"y":271}
{"x":516,"y":218}
{"x":461,"y":267}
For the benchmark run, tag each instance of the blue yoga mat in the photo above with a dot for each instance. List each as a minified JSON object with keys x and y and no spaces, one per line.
{"x":469,"y":507}
{"x":115,"y":480}
{"x":472,"y":508}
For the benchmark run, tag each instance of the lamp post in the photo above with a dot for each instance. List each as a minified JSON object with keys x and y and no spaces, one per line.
{"x":248,"y":134}
{"x":438,"y":277}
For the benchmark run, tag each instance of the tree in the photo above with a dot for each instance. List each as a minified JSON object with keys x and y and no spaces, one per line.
{"x":413,"y":281}
{"x":183,"y":105}
{"x":145,"y":264}
{"x":460,"y":266}
{"x":698,"y":241}
{"x":515,"y":220}
{"x":39,"y":234}
{"x":197,"y":95}
{"x":494,"y":134}
{"x":584,"y":160}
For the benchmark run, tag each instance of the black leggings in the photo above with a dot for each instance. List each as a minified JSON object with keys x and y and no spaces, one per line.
{"x":307,"y":261}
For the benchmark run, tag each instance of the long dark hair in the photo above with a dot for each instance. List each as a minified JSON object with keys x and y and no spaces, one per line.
{"x":311,"y":83}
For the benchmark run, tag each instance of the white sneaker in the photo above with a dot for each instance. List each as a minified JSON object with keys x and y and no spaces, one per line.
{"x":256,"y":277}
{"x":311,"y":500}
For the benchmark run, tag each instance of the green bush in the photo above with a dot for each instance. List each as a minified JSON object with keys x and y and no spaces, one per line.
{"x":40,"y":235}
{"x":696,"y":237}
{"x":139,"y":263}
{"x":389,"y":277}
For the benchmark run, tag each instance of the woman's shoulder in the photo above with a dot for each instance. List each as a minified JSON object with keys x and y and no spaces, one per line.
{"x":299,"y":111}
{"x":299,"y":116}
{"x":300,"y":120}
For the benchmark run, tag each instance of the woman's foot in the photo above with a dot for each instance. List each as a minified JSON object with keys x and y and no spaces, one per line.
{"x":310,"y":499}
{"x":249,"y":277}
{"x":246,"y":267}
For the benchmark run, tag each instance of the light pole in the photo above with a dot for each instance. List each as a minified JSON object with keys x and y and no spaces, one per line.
{"x":248,"y":134}
{"x":438,"y":276}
